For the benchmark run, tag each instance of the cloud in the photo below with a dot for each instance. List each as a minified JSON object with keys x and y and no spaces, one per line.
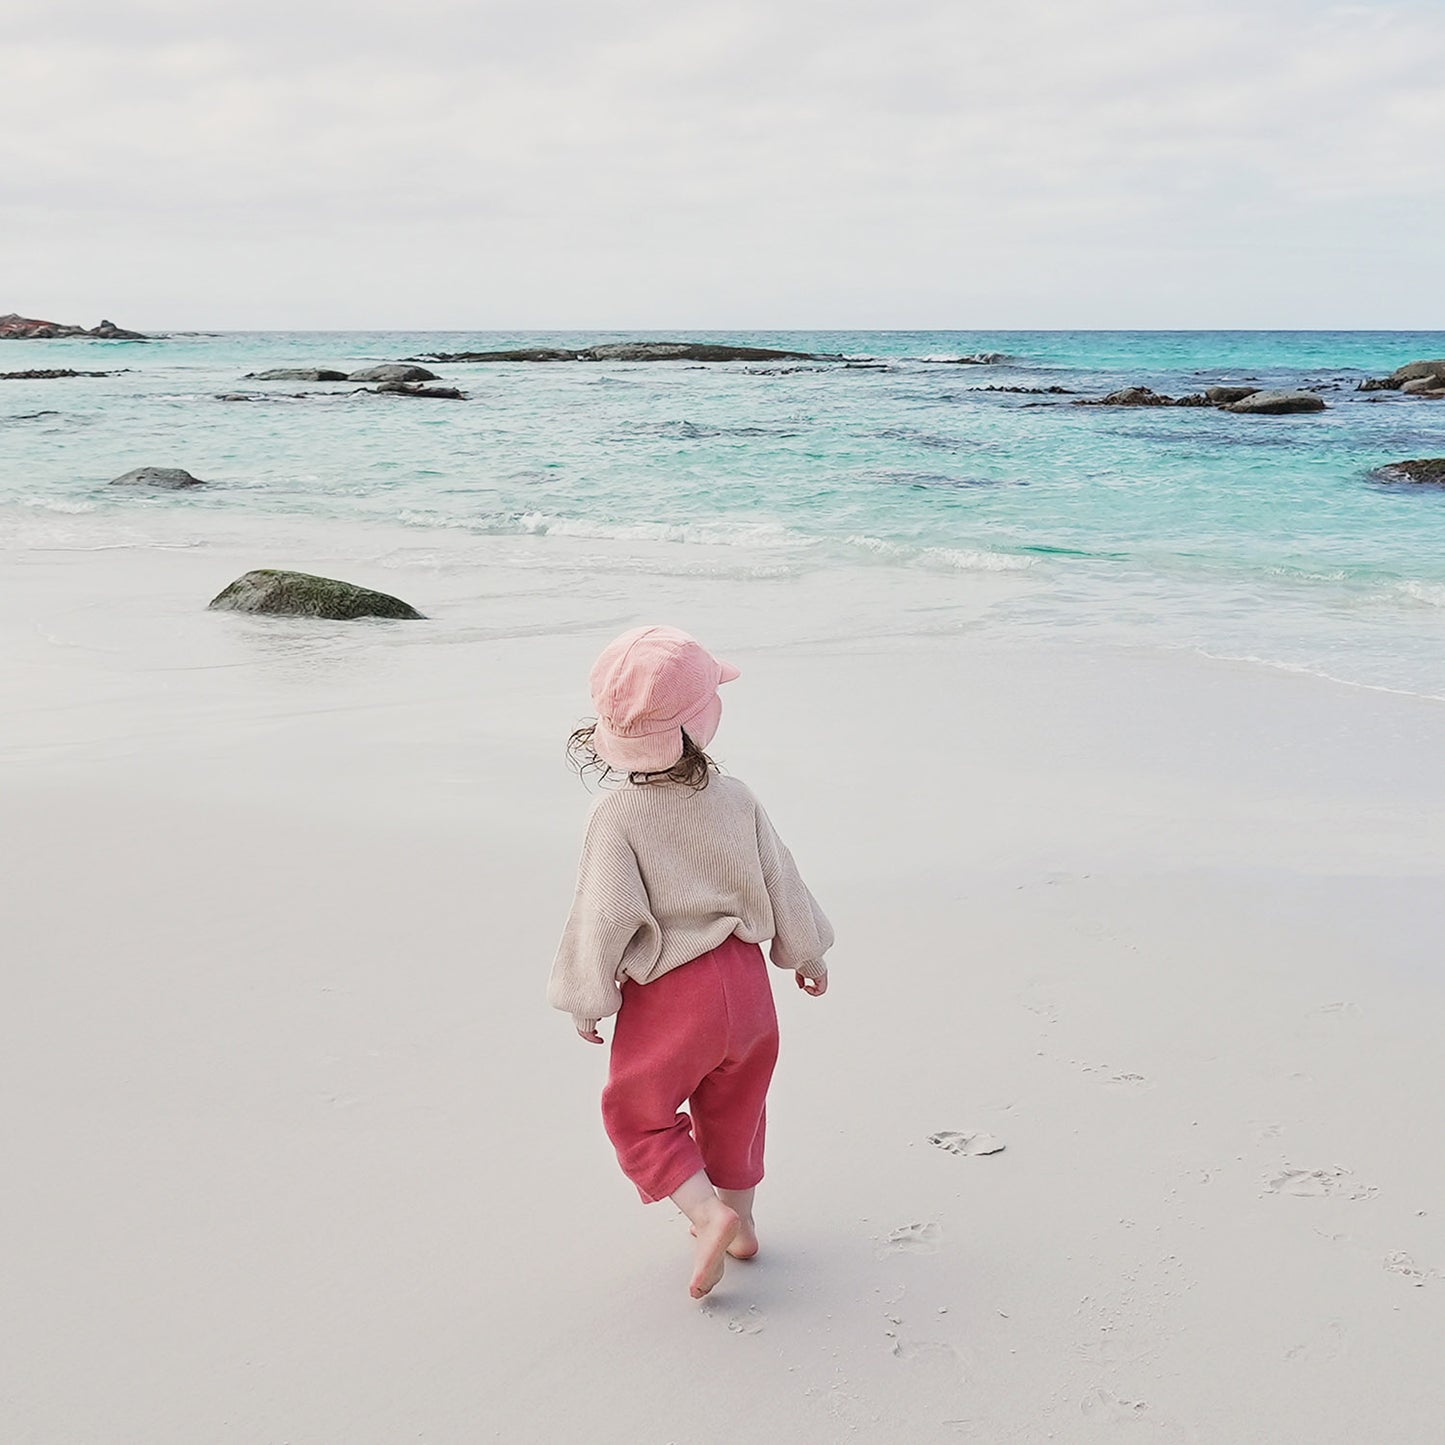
{"x":796,"y":162}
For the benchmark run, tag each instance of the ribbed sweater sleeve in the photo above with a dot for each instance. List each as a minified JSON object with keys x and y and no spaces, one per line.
{"x":608,"y":909}
{"x":801,"y":933}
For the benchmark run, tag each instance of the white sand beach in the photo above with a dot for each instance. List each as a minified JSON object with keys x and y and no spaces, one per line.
{"x":295,"y":1151}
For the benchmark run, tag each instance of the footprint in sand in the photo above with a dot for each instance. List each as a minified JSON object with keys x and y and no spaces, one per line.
{"x":750,"y":1321}
{"x":969,"y":1142}
{"x":1332,"y":1183}
{"x":915,"y":1239}
{"x":1400,"y":1263}
{"x":1100,"y":1404}
{"x":937,"y":1352}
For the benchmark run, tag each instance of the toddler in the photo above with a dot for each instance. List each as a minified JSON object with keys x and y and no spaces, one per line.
{"x":682,"y":877}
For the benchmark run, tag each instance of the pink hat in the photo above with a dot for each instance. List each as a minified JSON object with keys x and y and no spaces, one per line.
{"x":647,"y":686}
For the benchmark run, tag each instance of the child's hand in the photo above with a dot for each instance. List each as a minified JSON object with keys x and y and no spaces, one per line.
{"x":592,"y":1036}
{"x":816,"y":987}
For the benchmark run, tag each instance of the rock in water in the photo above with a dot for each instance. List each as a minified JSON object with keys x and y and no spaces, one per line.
{"x":1422,"y":472}
{"x":1411,"y":371}
{"x":412,"y":388}
{"x":1129,"y":396}
{"x":631,"y":351}
{"x":109,"y":331}
{"x":49,"y":374}
{"x":1277,"y":403}
{"x":529,"y":353}
{"x":1414,"y":370}
{"x":1227,"y":395}
{"x":1423,"y":386}
{"x":687,"y":351}
{"x":296,"y":373}
{"x":393,"y":371}
{"x":299,"y":594}
{"x":168,"y":479}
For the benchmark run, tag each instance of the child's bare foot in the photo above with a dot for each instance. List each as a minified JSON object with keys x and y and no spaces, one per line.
{"x":745,"y":1242}
{"x":715,"y":1232}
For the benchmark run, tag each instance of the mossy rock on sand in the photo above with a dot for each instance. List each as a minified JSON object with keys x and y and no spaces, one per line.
{"x":299,"y":594}
{"x":1421,"y":472}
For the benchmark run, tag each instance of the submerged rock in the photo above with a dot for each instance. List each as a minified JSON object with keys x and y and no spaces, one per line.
{"x":299,"y":594}
{"x":529,"y":353}
{"x":297,"y":373}
{"x":29,"y":328}
{"x":1277,"y":403}
{"x":412,"y":388}
{"x":53,"y":374}
{"x":168,"y":479}
{"x":634,"y":351}
{"x":1026,"y":390}
{"x":689,"y":351}
{"x":393,"y":371}
{"x":1422,"y":472}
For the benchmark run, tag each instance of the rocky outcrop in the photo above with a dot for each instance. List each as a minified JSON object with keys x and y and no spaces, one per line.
{"x":1227,"y":395}
{"x":29,"y":328}
{"x":1129,"y":396}
{"x":51,"y":374}
{"x":1277,"y":403}
{"x":1433,"y":386}
{"x":1411,"y":371}
{"x":1422,"y":472}
{"x":166,"y":479}
{"x":527,"y":353}
{"x":299,"y":594}
{"x":412,"y":388}
{"x":634,"y":351}
{"x":297,"y":373}
{"x":1242,"y":399}
{"x":1026,"y":390}
{"x":393,"y":371}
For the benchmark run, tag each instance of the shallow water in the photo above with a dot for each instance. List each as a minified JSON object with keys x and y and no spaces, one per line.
{"x":1260,"y":538}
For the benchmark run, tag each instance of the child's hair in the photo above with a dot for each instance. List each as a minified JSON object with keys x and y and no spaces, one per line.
{"x":693,"y":769}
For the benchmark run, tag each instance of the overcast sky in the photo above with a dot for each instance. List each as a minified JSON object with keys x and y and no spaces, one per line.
{"x":724,"y":163}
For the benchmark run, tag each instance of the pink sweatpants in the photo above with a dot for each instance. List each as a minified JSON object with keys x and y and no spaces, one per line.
{"x":707,"y":1033}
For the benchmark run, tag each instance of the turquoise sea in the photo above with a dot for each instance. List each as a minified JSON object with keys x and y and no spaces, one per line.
{"x":1243,"y":537}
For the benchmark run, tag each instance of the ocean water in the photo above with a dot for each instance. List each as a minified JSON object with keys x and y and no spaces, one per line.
{"x":1253,"y":538}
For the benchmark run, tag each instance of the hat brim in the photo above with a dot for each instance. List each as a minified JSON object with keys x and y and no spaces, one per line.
{"x":654,"y":753}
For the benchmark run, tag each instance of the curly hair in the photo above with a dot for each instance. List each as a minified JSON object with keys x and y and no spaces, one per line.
{"x":693,"y":769}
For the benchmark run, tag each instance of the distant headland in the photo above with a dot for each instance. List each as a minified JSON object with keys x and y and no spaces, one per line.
{"x":28,"y":328}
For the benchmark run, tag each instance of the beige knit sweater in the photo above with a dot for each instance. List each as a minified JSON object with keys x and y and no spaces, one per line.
{"x":667,"y":874}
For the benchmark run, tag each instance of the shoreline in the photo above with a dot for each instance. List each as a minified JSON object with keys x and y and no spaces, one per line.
{"x":301,"y":1147}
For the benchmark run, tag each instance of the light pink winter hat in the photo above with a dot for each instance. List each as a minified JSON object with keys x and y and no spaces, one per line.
{"x":647,"y":686}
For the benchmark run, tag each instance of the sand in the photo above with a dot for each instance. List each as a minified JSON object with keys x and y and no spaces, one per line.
{"x":296,"y":1153}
